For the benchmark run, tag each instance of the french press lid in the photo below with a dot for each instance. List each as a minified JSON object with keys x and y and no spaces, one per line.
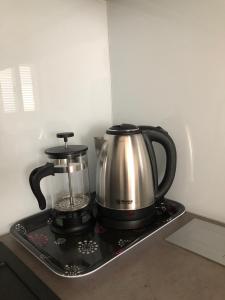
{"x":66,"y":151}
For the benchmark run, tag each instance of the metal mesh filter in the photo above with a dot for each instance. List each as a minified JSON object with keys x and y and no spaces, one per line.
{"x":67,"y":204}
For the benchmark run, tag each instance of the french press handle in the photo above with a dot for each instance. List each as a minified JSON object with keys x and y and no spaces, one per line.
{"x":159,"y":135}
{"x":35,"y":179}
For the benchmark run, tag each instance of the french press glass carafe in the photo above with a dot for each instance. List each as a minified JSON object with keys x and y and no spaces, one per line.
{"x":70,"y":187}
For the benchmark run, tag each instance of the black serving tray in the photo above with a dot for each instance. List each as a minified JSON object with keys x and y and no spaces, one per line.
{"x":80,"y":255}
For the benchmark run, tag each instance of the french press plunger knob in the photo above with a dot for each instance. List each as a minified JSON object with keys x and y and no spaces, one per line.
{"x":65,"y":136}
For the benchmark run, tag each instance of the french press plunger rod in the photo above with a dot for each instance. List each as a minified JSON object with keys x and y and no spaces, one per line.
{"x":65,"y":136}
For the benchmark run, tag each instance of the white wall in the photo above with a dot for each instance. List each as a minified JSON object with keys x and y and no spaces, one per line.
{"x":168,"y":69}
{"x":54,"y":57}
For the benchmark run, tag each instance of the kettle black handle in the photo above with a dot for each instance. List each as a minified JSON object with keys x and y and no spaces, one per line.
{"x":159,"y":135}
{"x":35,"y":179}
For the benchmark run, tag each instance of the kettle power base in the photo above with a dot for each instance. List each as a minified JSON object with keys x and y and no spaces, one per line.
{"x":76,"y":256}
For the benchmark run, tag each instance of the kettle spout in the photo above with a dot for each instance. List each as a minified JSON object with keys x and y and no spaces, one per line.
{"x":99,"y":141}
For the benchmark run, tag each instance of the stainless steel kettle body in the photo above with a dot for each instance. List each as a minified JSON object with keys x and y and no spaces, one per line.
{"x":127,"y":178}
{"x":124,"y":173}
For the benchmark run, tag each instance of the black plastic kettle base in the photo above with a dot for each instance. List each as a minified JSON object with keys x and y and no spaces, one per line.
{"x":126,"y":219}
{"x":80,"y":255}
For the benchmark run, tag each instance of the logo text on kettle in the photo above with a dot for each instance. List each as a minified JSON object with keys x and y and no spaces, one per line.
{"x":119,"y":201}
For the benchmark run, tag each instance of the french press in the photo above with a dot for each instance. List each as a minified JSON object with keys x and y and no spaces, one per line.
{"x":70,"y":187}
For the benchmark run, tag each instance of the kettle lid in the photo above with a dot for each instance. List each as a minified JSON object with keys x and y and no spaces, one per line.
{"x":123,"y":129}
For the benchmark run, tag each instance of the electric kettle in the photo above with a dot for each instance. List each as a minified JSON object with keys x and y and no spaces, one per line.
{"x":70,"y":186}
{"x":127,"y":186}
